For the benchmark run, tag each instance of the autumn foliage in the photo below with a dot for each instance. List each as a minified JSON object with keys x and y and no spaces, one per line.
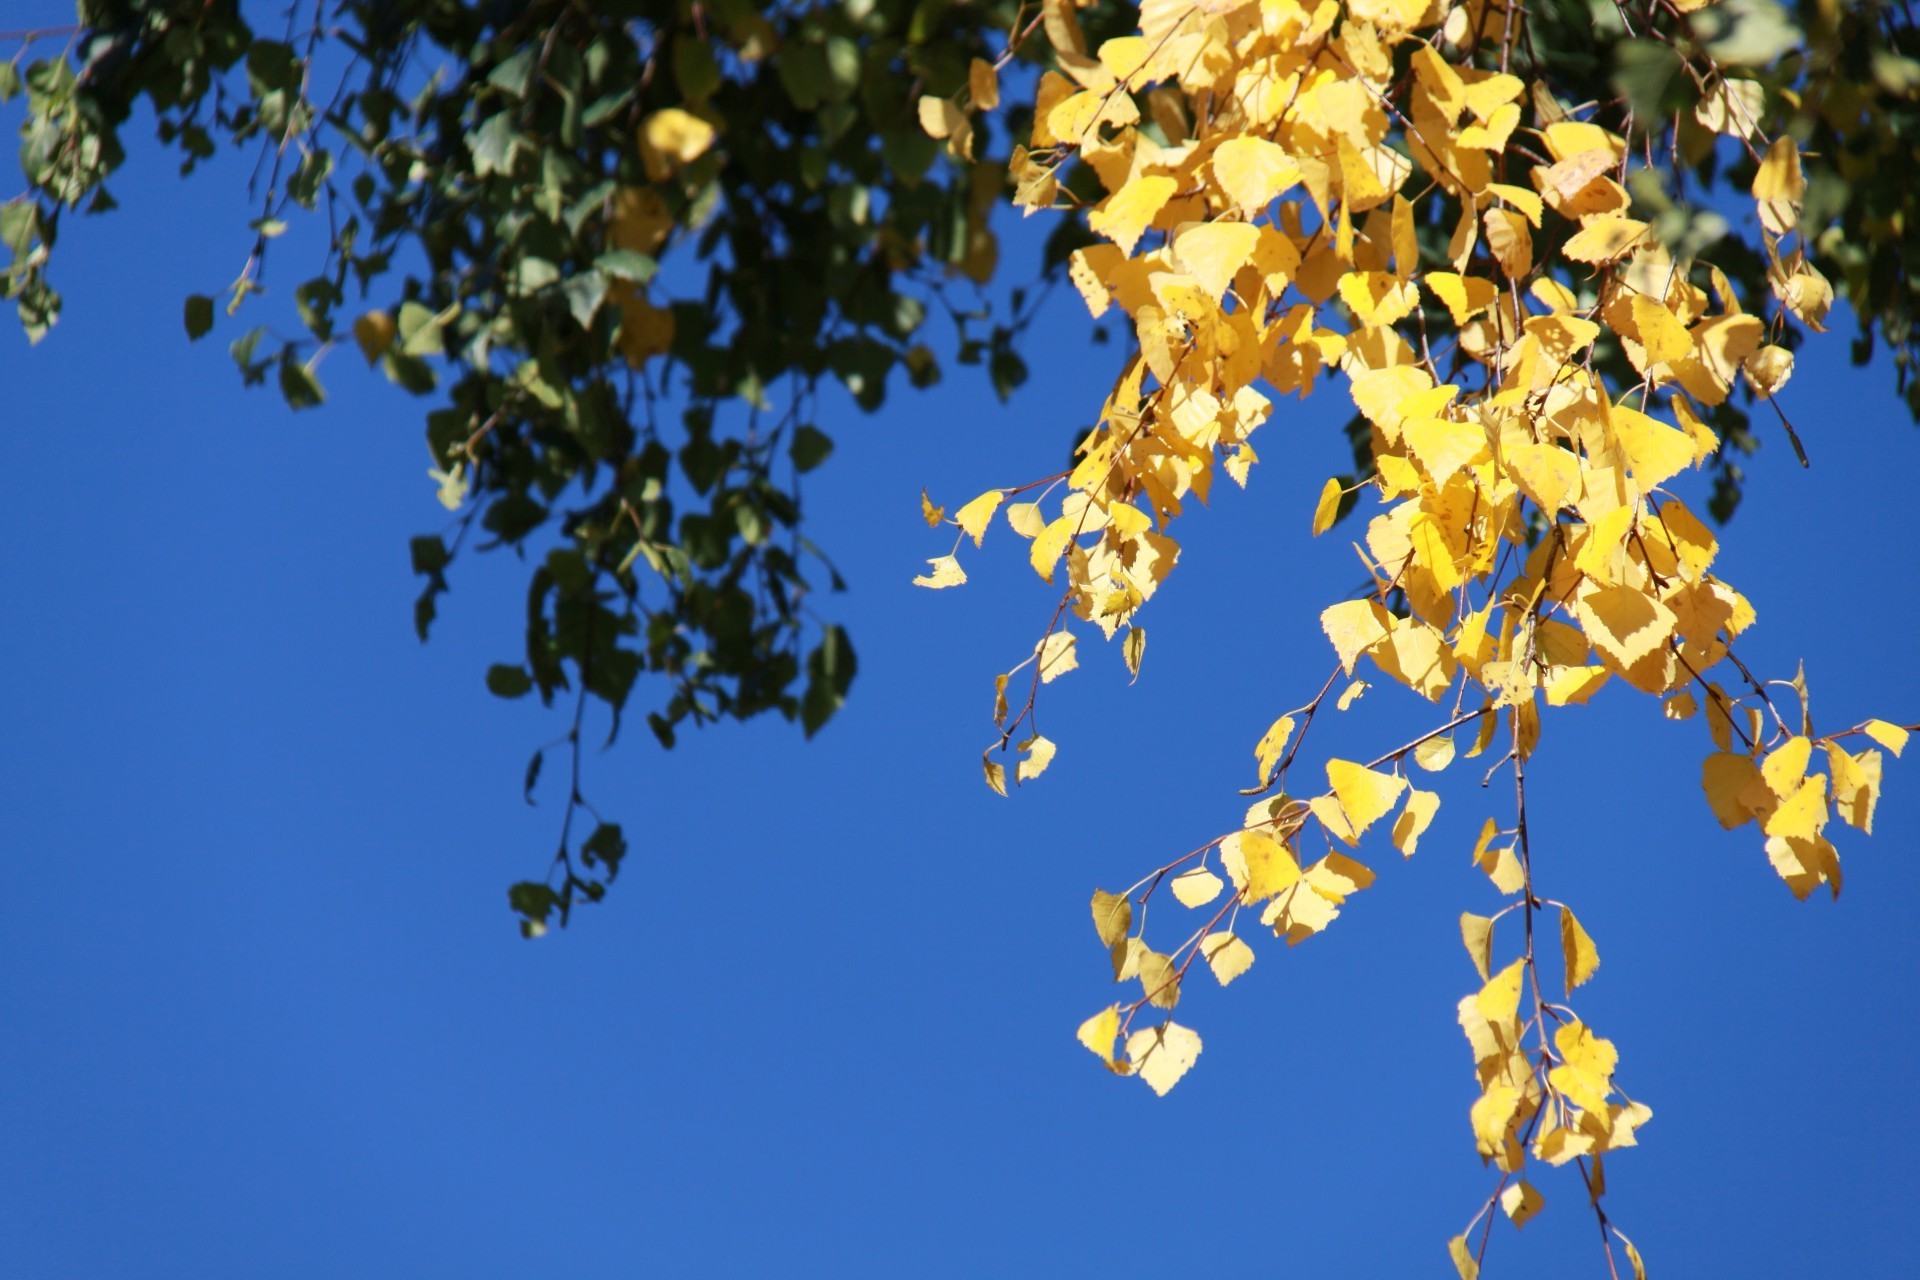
{"x":1367,"y":193}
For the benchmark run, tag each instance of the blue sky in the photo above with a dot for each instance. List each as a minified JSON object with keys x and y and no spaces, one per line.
{"x":267,"y":1012}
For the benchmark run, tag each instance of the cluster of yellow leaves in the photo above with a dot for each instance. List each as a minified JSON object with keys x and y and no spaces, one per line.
{"x":1268,"y":168}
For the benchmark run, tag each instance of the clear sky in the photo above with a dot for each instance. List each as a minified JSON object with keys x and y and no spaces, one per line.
{"x":267,"y":1013}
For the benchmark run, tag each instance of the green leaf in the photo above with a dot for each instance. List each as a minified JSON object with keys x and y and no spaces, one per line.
{"x":626,"y":264}
{"x":504,"y":680}
{"x":298,"y":385}
{"x":199,"y":316}
{"x":810,"y":447}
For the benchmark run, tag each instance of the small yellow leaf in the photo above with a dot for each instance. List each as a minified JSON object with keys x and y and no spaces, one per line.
{"x":1097,"y":1033}
{"x":1272,"y":745}
{"x":1499,"y":999}
{"x":1521,"y":1202}
{"x":1354,"y":627}
{"x":1477,"y":933}
{"x":1582,"y":957}
{"x":1605,"y":239}
{"x":1040,"y":752}
{"x":374,"y":332}
{"x":1464,"y":296}
{"x":1126,"y":955}
{"x":1731,"y":782}
{"x":939,"y":118}
{"x":670,"y":139}
{"x":1258,"y":865}
{"x":1434,"y":754}
{"x":1802,"y":814}
{"x":1226,"y":955}
{"x":1112,"y":917}
{"x":1890,"y":736}
{"x":1786,"y":766}
{"x":1125,"y":216}
{"x":1414,"y":819}
{"x":1633,"y":1258}
{"x":996,"y":774}
{"x":931,"y":514}
{"x":946,"y":572}
{"x":1252,"y":171}
{"x":1585,"y":1074}
{"x":1365,"y":795}
{"x":1049,"y":545}
{"x":983,"y":85}
{"x":1132,"y":649}
{"x":1350,"y":695}
{"x":1159,"y":980}
{"x":1024,"y":518}
{"x":1057,"y":656}
{"x":1196,"y":887}
{"x":975,"y":515}
{"x":1463,"y":1259}
{"x":1327,"y":508}
{"x":1000,"y":707}
{"x":1161,"y":1055}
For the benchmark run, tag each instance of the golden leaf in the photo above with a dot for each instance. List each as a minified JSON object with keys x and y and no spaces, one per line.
{"x":1272,"y":744}
{"x":1585,"y":1074}
{"x":1890,"y":736}
{"x":1354,"y":627}
{"x":1414,"y":819}
{"x":1212,"y":252}
{"x":1365,"y":795}
{"x":1098,"y":1032}
{"x":976,"y":514}
{"x":1258,"y":865}
{"x":931,"y":514}
{"x":1605,"y":239}
{"x":1112,"y":917}
{"x":983,"y":85}
{"x":1049,"y":545}
{"x":1463,"y":1260}
{"x":1476,"y":932}
{"x":1133,"y":649}
{"x":1196,"y":887}
{"x":1521,"y":1202}
{"x":1159,"y":980}
{"x":1463,"y":296}
{"x":1161,"y":1055}
{"x":1226,"y":955}
{"x":1328,"y":507}
{"x":1434,"y":754}
{"x":1040,"y":753}
{"x":1125,"y":216}
{"x":1057,"y":655}
{"x":670,"y":139}
{"x":1499,"y":1000}
{"x":996,"y":774}
{"x":946,"y":572}
{"x":1581,"y":956}
{"x":1802,"y":814}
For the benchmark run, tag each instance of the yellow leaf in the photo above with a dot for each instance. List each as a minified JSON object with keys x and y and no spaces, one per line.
{"x":1624,"y":623}
{"x":1633,"y":1254}
{"x":1521,"y":1202}
{"x":1125,"y":216}
{"x":1196,"y":887}
{"x":670,"y":139}
{"x":1856,"y":785}
{"x":1350,"y":695}
{"x":1605,"y":239}
{"x":1159,"y":980}
{"x":1097,"y":1032}
{"x":1327,"y":507}
{"x":996,"y":774}
{"x":1585,"y":1073}
{"x":1226,"y":955}
{"x":1126,"y":955}
{"x":1463,"y":296}
{"x":1365,"y":795}
{"x":1574,"y":685}
{"x":1582,"y":957}
{"x":1112,"y":917}
{"x":1354,"y":627}
{"x":1212,"y":252}
{"x":1492,"y":1116}
{"x":1499,"y":1000}
{"x":1730,"y":780}
{"x":1000,"y":707}
{"x":1161,"y":1055}
{"x":1024,"y":518}
{"x":1251,"y":172}
{"x":946,"y":572}
{"x":1787,"y":765}
{"x":1040,"y":752}
{"x":1057,"y":656}
{"x":1434,"y":754}
{"x":1477,"y":933}
{"x":1545,"y":472}
{"x":974,"y":516}
{"x":1414,"y":819}
{"x":1802,"y":814}
{"x":940,"y":118}
{"x":983,"y":85}
{"x":1272,"y":745}
{"x":1258,"y":865}
{"x":1890,"y":736}
{"x":1463,"y":1259}
{"x":1049,"y":545}
{"x":1133,"y":649}
{"x":931,"y":514}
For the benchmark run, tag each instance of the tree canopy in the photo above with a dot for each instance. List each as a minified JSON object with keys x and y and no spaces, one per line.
{"x":619,"y":248}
